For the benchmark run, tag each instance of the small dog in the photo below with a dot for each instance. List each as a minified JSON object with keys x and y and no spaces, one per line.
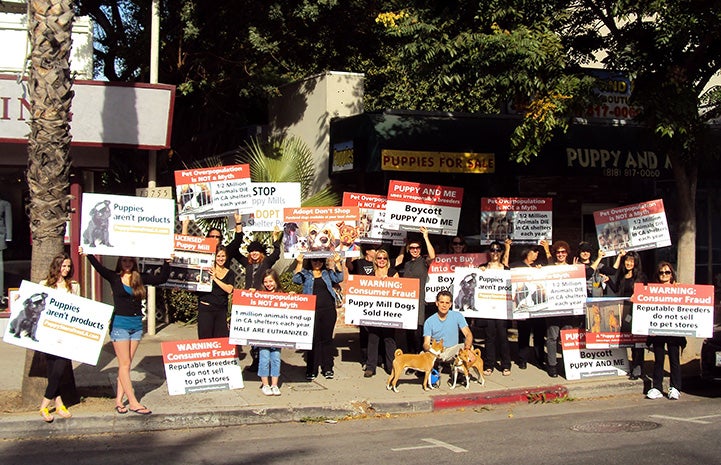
{"x":27,"y":318}
{"x":97,"y":232}
{"x":466,"y":360}
{"x":422,"y":362}
{"x":466,"y":298}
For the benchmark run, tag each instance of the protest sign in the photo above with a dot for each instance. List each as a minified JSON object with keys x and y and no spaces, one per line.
{"x":634,"y":227}
{"x":372,"y":214}
{"x":382,"y":302}
{"x":201,"y":365}
{"x":442,"y":268}
{"x":482,"y":293}
{"x":524,"y":220}
{"x":268,"y":201}
{"x":673,"y":309}
{"x":548,"y":291}
{"x":57,"y":323}
{"x":213,"y":192}
{"x":581,"y":362}
{"x":190,"y":268}
{"x":607,"y":324}
{"x":127,"y":226}
{"x":272,"y":319}
{"x":411,"y":205}
{"x":320,"y":232}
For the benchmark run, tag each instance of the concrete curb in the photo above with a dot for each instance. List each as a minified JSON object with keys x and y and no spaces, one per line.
{"x":30,"y":426}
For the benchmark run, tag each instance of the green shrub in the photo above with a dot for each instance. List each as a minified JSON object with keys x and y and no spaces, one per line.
{"x":182,"y":305}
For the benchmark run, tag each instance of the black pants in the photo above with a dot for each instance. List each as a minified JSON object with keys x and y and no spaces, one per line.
{"x":497,"y":341}
{"x":671,"y":345}
{"x":323,"y":349}
{"x":375,"y":335}
{"x":526,"y":328}
{"x":56,"y":366}
{"x":212,"y":323}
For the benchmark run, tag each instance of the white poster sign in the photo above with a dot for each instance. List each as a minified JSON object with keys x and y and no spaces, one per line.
{"x":412,"y":205}
{"x":583,"y":363}
{"x":381,"y":302}
{"x":673,"y":310}
{"x":482,"y":293}
{"x":58,"y":323}
{"x":213,"y":192}
{"x":268,"y":201}
{"x":121,"y":225}
{"x":272,"y":319}
{"x":201,"y":365}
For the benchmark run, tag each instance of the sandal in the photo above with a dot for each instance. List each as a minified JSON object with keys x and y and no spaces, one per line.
{"x":506,"y":372}
{"x":63,"y":412}
{"x":121,"y":409}
{"x":141,"y":411}
{"x":487,"y":372}
{"x":45,"y":413}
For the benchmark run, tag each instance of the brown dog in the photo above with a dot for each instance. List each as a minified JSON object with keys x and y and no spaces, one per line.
{"x":422,"y":362}
{"x":466,"y":360}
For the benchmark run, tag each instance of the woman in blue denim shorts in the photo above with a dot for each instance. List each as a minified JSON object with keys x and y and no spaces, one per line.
{"x":126,"y":326}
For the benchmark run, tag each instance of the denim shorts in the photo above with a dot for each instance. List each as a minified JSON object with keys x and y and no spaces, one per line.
{"x":126,"y":328}
{"x":122,"y":334}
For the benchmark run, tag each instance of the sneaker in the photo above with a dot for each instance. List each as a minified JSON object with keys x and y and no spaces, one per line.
{"x":267,"y":390}
{"x":673,"y":393}
{"x":310,"y":376}
{"x":276,"y":390}
{"x":654,"y":393}
{"x":552,"y":371}
{"x":328,"y":374}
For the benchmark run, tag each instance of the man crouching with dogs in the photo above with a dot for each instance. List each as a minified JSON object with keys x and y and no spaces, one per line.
{"x":445,"y":324}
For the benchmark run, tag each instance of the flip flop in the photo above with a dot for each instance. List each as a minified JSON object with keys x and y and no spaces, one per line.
{"x":63,"y":412}
{"x":121,"y":409}
{"x":47,"y":417}
{"x":141,"y":411}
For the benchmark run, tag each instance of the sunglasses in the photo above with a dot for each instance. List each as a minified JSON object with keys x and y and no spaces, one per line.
{"x":664,"y":272}
{"x":414,"y":247}
{"x":381,"y":258}
{"x":457,"y":243}
{"x":495,"y":249}
{"x":561,"y":252}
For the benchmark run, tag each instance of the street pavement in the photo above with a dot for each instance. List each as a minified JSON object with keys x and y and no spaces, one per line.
{"x":348,"y":394}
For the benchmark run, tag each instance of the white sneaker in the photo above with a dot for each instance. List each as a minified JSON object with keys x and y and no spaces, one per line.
{"x":654,"y":393}
{"x":267,"y":390}
{"x":673,"y":393}
{"x":275,"y":390}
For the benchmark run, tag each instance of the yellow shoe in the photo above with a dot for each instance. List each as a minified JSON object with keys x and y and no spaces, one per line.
{"x":63,"y":412}
{"x":45,"y":413}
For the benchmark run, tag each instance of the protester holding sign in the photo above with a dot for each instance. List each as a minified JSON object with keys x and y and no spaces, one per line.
{"x":665,"y":274}
{"x":213,"y":305}
{"x":557,"y":254}
{"x":269,"y":357}
{"x":629,"y":271}
{"x":381,"y":269}
{"x":317,"y":277}
{"x":60,"y":277}
{"x":595,"y":280}
{"x":497,"y":330}
{"x":417,"y":267}
{"x":257,"y":261}
{"x":535,"y":326}
{"x":126,"y":327}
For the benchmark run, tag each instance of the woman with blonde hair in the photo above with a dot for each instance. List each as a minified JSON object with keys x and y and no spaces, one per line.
{"x":381,"y":269}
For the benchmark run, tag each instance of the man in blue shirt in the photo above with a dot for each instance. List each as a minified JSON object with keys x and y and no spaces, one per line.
{"x":445,"y":324}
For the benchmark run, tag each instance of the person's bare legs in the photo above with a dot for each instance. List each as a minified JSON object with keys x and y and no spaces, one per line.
{"x":125,"y":351}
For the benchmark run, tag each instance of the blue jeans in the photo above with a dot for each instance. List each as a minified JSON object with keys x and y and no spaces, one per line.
{"x":268,"y":361}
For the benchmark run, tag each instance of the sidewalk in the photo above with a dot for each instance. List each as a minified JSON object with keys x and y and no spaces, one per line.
{"x":348,"y":394}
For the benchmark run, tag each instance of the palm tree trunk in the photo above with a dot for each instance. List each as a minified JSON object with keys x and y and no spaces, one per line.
{"x":48,"y":175}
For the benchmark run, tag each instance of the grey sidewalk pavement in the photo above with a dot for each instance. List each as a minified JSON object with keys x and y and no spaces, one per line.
{"x":348,"y":394}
